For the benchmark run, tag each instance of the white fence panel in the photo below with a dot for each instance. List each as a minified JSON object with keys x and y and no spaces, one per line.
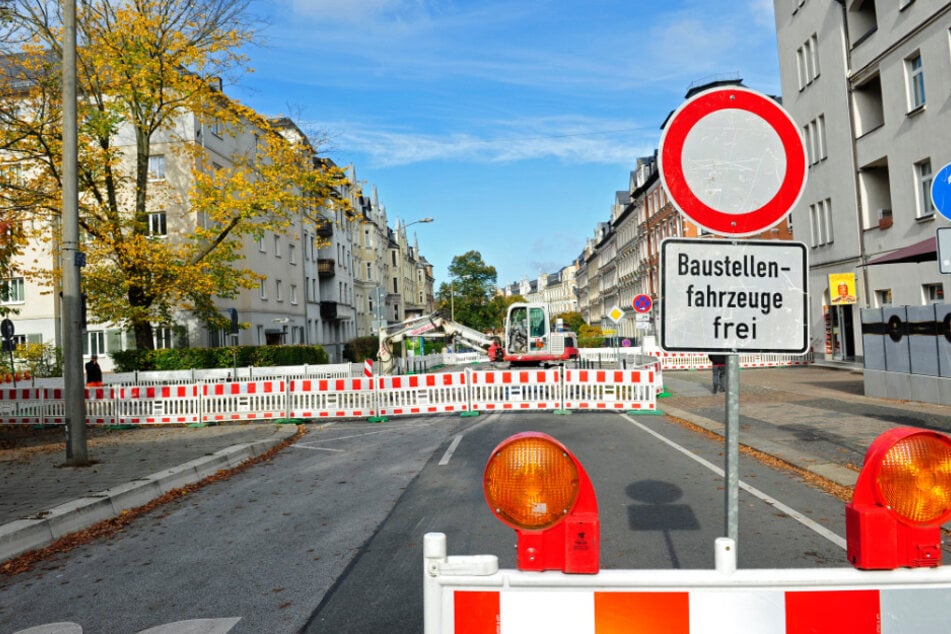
{"x":252,"y":400}
{"x":332,"y":398}
{"x":423,"y":394}
{"x":516,"y":390}
{"x":610,"y":389}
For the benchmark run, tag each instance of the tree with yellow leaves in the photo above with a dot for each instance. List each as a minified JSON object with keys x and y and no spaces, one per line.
{"x":163,"y":216}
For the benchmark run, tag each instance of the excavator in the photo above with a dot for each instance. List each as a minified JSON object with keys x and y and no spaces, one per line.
{"x":529,"y":337}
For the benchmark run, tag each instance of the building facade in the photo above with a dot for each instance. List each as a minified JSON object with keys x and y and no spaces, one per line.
{"x":867,"y":82}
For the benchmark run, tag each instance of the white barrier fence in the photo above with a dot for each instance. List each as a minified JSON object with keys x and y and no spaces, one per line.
{"x":689,"y":360}
{"x":321,"y":398}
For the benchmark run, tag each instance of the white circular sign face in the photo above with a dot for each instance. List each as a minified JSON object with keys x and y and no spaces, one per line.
{"x":733,"y":161}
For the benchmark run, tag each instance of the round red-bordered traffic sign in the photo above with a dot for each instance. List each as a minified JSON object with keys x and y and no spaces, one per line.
{"x":642,"y":303}
{"x":733,"y":161}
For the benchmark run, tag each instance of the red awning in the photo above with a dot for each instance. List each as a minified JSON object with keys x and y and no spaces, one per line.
{"x":919,"y":252}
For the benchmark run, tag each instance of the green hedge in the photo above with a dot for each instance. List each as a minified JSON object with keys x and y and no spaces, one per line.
{"x":205,"y":358}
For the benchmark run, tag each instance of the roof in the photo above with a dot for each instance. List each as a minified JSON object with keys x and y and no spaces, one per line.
{"x":918,"y":252}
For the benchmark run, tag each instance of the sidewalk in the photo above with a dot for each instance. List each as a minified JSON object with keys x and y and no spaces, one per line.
{"x":41,"y":499}
{"x":814,"y":417}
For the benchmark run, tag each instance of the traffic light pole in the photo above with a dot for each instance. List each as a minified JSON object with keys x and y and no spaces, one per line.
{"x":72,"y":259}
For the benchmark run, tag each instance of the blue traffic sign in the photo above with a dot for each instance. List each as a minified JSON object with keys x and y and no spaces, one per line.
{"x":941,"y":191}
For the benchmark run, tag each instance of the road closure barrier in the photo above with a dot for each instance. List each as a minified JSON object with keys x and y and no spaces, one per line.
{"x":326,"y":398}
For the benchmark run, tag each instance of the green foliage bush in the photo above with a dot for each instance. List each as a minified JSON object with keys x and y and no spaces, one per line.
{"x":205,"y":358}
{"x":360,"y":349}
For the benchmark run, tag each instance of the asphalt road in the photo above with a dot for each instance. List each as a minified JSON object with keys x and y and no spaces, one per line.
{"x":327,"y":536}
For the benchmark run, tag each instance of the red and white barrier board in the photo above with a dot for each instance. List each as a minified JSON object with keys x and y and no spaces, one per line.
{"x":162,"y":405}
{"x":471,"y":595}
{"x":252,"y":400}
{"x":31,"y":406}
{"x":423,"y":394}
{"x":516,"y":390}
{"x":610,"y":389}
{"x":331,"y":398}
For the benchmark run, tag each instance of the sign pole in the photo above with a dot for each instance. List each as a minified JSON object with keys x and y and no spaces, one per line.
{"x":732,"y":453}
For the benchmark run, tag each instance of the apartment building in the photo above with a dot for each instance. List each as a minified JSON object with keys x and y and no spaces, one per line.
{"x":307,"y":292}
{"x":867,"y":80}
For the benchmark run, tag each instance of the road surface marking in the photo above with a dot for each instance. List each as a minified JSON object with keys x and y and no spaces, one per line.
{"x":796,"y":515}
{"x":450,"y":450}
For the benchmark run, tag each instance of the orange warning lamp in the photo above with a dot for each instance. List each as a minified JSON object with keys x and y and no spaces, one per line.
{"x":902,"y":497}
{"x":535,"y":485}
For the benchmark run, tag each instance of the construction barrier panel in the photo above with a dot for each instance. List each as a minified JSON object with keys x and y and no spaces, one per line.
{"x":610,"y":389}
{"x":162,"y":405}
{"x":516,"y":390}
{"x":469,"y":594}
{"x":423,"y":394}
{"x":101,"y":405}
{"x":332,"y":398}
{"x":31,"y":406}
{"x":251,"y":400}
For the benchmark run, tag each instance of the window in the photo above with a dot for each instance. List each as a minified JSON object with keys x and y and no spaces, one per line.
{"x":815,"y":136}
{"x":883,"y":297}
{"x":262,"y":247}
{"x":277,"y":290}
{"x":933,"y":293}
{"x":820,"y":221}
{"x":807,"y":61}
{"x":158,"y":224}
{"x":162,"y":336}
{"x":264,"y":288}
{"x":94,"y":343}
{"x":157,"y":167}
{"x":396,"y":286}
{"x":277,"y":245}
{"x":369,"y":271}
{"x":11,"y":291}
{"x":292,"y":253}
{"x":293,"y":293}
{"x":916,"y":82}
{"x":923,"y":176}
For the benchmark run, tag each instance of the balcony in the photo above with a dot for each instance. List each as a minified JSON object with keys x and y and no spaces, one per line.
{"x":325,"y":229}
{"x":335,"y":311}
{"x":326,"y":267}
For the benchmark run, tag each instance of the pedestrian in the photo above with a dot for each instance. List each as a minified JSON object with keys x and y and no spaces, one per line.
{"x":719,"y":372}
{"x":93,"y":372}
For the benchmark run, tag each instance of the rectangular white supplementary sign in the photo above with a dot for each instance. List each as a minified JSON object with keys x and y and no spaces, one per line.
{"x":734,"y":296}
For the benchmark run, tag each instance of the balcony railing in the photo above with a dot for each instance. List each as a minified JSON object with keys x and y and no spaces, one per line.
{"x":326,"y":267}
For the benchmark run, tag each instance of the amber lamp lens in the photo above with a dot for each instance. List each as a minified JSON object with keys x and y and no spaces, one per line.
{"x":531,"y":483}
{"x":915,"y":479}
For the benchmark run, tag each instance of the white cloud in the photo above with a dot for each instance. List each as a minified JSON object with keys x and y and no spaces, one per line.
{"x":597,"y":142}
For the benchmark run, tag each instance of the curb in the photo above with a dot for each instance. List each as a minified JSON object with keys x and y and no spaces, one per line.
{"x":46,"y":527}
{"x":833,"y":472}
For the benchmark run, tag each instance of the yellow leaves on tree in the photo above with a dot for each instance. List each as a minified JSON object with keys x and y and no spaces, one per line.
{"x":164,"y":220}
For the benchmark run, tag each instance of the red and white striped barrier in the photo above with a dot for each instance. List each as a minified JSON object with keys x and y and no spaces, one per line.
{"x":610,"y":389}
{"x":471,"y":595}
{"x":331,"y":398}
{"x":152,"y":405}
{"x":252,"y":400}
{"x":31,"y":406}
{"x":516,"y":390}
{"x":423,"y":394}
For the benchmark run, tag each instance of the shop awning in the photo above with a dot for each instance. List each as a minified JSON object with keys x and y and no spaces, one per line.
{"x":919,"y":252}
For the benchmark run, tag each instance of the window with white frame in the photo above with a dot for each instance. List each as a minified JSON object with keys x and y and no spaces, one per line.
{"x":933,"y":293}
{"x":292,"y":253}
{"x":883,"y":297}
{"x":293,"y":293}
{"x":277,"y":245}
{"x":916,"y":81}
{"x":264,"y":288}
{"x":158,"y":224}
{"x":262,"y":245}
{"x":162,"y":336}
{"x":369,"y":271}
{"x":157,"y":167}
{"x":277,"y":290}
{"x":12,"y":291}
{"x":923,"y":177}
{"x":94,"y":343}
{"x":820,"y":221}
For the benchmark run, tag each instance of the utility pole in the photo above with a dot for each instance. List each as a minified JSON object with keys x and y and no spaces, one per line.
{"x":72,"y":258}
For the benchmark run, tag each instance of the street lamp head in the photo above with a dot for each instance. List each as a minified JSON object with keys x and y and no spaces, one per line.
{"x":426,"y":219}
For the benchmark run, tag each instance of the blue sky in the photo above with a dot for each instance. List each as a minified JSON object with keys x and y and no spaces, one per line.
{"x":512,"y":123}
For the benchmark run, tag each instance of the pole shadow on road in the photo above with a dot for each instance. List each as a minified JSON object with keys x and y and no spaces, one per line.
{"x":655,"y":511}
